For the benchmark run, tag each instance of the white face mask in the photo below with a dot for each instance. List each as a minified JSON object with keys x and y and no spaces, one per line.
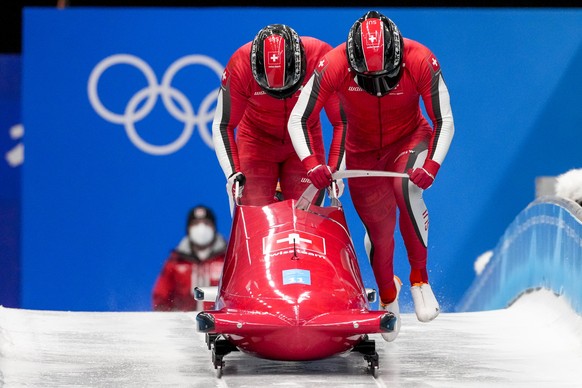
{"x":201,"y":234}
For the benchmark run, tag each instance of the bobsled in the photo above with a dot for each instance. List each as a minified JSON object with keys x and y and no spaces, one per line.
{"x":291,"y":287}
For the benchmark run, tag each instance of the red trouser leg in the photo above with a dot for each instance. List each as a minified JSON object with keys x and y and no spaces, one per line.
{"x":265,"y":164}
{"x":376,"y":199}
{"x":261,"y":182}
{"x":413,"y":219}
{"x":293,"y":178}
{"x":260,"y":164}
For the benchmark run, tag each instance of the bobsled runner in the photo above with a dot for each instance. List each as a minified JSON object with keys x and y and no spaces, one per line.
{"x":291,"y":287}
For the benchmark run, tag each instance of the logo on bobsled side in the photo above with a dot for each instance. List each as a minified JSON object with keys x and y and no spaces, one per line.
{"x":300,"y":241}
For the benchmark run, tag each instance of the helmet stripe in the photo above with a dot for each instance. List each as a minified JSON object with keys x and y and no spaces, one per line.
{"x":372,"y":36}
{"x":274,"y":60}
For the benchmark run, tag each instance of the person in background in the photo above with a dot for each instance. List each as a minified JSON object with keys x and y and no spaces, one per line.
{"x":260,"y":86}
{"x":197,"y":261}
{"x":380,"y":77}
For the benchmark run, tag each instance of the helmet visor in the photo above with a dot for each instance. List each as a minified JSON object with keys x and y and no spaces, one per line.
{"x":377,"y":85}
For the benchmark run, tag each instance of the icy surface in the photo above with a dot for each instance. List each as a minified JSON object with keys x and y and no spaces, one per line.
{"x":535,"y":342}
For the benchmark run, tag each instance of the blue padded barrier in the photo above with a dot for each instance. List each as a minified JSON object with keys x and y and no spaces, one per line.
{"x":541,"y":248}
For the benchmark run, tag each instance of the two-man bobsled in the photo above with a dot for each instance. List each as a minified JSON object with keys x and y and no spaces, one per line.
{"x":291,"y":287}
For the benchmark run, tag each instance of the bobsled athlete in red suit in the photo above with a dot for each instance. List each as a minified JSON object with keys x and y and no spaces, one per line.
{"x":260,"y":86}
{"x":380,"y":77}
{"x":197,"y":261}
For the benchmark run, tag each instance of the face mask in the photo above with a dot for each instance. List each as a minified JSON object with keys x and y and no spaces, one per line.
{"x":201,"y":234}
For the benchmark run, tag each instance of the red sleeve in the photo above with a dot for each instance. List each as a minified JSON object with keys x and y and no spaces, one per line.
{"x":337,"y":118}
{"x":333,"y":111}
{"x":435,"y":95}
{"x":319,"y":91}
{"x":333,"y":76}
{"x":231,"y":105}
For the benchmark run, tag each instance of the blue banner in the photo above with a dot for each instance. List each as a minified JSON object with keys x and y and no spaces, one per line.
{"x":118,"y":104}
{"x":12,"y":152}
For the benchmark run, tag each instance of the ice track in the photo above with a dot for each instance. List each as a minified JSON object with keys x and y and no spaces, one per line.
{"x":535,"y":343}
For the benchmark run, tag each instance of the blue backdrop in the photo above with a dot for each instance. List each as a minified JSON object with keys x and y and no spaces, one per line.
{"x":117,"y":105}
{"x":11,"y":151}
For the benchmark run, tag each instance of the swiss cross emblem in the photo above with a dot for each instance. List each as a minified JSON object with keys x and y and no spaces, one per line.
{"x":434,"y":63}
{"x":274,"y":58}
{"x":321,"y":64}
{"x":224,"y":78}
{"x":293,"y":241}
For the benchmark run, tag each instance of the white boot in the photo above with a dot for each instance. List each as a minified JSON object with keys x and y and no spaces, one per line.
{"x":425,"y":304}
{"x":394,"y":309}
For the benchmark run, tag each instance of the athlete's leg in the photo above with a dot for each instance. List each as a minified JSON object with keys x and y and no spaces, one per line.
{"x":414,"y":224}
{"x":292,"y":174}
{"x":293,"y":178}
{"x":414,"y":219}
{"x":261,"y":173}
{"x":373,"y":199}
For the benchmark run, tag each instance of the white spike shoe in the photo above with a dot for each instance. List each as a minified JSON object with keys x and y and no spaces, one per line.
{"x":393,"y":308}
{"x":426,"y":306}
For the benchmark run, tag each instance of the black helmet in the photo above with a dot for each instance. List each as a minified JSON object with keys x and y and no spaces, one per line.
{"x":278,"y":60}
{"x":375,"y":49}
{"x":200,"y":212}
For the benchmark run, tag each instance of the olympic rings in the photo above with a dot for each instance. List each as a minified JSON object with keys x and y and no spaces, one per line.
{"x":136,"y":111}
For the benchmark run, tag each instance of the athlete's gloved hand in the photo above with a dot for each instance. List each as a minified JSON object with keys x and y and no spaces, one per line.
{"x":424,"y":176}
{"x":233,"y":189}
{"x":320,"y":176}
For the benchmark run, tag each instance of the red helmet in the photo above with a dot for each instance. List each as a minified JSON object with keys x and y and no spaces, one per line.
{"x":278,"y":60}
{"x":375,"y":51}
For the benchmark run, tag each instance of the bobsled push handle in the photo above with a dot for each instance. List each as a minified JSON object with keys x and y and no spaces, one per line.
{"x":367,"y":173}
{"x":311,"y":191}
{"x":307,"y":197}
{"x":237,"y":192}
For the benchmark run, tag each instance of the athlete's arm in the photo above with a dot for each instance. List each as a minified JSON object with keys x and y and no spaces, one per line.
{"x":313,"y":97}
{"x":435,"y":96}
{"x":230,"y":107}
{"x":337,"y":118}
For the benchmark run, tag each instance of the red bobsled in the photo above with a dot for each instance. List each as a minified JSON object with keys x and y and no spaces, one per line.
{"x":291,"y":287}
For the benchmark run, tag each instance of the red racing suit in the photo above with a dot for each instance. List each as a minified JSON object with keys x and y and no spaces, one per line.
{"x":182,"y":272}
{"x":263,"y":151}
{"x":387,"y":133}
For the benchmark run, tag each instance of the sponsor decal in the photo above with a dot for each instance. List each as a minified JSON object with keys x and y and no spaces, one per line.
{"x":296,"y":276}
{"x":397,"y":91}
